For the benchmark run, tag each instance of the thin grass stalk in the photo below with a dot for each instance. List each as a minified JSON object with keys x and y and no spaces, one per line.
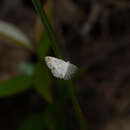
{"x":49,"y":30}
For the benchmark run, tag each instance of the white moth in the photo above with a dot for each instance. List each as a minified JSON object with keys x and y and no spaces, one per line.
{"x":60,"y":68}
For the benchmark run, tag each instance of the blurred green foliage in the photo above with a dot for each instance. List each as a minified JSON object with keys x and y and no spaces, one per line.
{"x":14,"y":35}
{"x":32,"y":122}
{"x":33,"y":75}
{"x":42,"y":81}
{"x":36,"y":76}
{"x":15,"y":85}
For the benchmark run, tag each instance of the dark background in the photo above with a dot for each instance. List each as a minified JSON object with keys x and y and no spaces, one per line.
{"x":92,"y":33}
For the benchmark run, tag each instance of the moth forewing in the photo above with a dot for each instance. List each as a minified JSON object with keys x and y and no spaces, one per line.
{"x":48,"y":62}
{"x":60,"y":68}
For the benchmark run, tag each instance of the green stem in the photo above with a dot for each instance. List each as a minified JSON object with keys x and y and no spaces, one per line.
{"x":77,"y":108}
{"x":49,"y":30}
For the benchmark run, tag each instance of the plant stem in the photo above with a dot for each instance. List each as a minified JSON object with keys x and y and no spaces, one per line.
{"x":77,"y":108}
{"x":49,"y":30}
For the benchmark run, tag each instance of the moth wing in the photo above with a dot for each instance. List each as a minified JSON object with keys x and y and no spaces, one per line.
{"x":71,"y":70}
{"x":57,"y":66}
{"x":49,"y":61}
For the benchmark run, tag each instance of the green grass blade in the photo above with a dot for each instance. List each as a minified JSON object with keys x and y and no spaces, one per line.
{"x":14,"y":86}
{"x":42,"y":82}
{"x":78,"y":111}
{"x":43,"y":46}
{"x":39,"y":8}
{"x":14,"y":35}
{"x":32,"y":122}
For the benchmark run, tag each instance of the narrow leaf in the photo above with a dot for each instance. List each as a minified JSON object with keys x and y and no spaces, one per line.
{"x":14,"y":85}
{"x":48,"y":28}
{"x":11,"y":33}
{"x":43,"y":45}
{"x":42,"y":82}
{"x":33,"y":122}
